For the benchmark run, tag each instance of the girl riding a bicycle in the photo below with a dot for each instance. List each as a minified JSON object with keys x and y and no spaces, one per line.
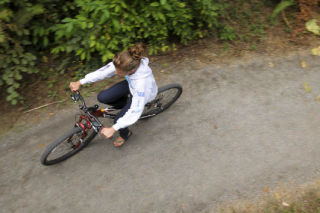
{"x":129,"y":95}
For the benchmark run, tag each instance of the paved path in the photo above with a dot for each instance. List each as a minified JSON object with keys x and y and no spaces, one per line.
{"x":236,"y":129}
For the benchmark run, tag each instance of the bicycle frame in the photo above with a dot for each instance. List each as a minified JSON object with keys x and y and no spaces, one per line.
{"x":89,"y":120}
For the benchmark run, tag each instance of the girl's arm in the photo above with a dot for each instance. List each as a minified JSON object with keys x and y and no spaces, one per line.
{"x":106,"y":71}
{"x":134,"y":112}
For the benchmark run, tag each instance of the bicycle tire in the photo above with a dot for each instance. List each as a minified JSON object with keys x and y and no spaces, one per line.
{"x":51,"y":148}
{"x":155,"y":111}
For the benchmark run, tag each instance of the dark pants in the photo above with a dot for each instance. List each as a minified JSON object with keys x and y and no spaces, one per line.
{"x":119,"y":97}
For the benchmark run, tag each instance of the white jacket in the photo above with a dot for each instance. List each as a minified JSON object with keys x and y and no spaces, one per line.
{"x":143,"y":89}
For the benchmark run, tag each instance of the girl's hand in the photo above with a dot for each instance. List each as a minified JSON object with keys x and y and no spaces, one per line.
{"x":108,"y":132}
{"x":75,"y":86}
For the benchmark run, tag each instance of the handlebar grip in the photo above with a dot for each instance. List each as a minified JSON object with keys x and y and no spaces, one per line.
{"x":75,"y":96}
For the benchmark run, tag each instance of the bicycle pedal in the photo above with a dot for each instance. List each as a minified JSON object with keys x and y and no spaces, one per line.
{"x":109,"y":109}
{"x":105,"y":109}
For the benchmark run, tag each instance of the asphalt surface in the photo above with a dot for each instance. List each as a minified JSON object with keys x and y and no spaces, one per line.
{"x":236,"y":129}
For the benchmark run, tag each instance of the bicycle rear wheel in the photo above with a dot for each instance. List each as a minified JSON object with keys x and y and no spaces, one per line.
{"x":166,"y":96}
{"x":66,"y":146}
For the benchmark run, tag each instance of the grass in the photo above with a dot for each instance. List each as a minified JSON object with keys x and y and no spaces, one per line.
{"x":302,"y":199}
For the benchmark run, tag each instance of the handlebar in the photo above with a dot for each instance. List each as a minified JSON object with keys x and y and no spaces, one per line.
{"x":76,"y":97}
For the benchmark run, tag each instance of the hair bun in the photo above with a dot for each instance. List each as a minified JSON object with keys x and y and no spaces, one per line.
{"x":136,"y":52}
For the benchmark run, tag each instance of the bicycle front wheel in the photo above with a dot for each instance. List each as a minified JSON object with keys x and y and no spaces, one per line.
{"x":166,"y":96}
{"x":66,"y":146}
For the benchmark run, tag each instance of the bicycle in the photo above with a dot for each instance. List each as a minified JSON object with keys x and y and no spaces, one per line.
{"x":88,"y":125}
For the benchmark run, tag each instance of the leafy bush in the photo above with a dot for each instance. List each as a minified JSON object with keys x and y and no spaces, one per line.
{"x":93,"y":30}
{"x":14,"y":59}
{"x":100,"y":29}
{"x":23,"y":32}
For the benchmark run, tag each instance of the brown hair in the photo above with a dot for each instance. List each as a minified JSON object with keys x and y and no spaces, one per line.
{"x":129,"y":60}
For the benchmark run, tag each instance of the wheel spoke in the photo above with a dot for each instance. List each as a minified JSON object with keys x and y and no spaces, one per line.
{"x":167,"y":96}
{"x":163,"y":100}
{"x":65,"y":147}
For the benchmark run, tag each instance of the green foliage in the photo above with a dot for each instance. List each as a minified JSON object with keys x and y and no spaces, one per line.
{"x":14,"y":65}
{"x":102,"y":29}
{"x":14,"y":60}
{"x":284,"y":4}
{"x":242,"y":21}
{"x":22,"y":34}
{"x":227,"y":34}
